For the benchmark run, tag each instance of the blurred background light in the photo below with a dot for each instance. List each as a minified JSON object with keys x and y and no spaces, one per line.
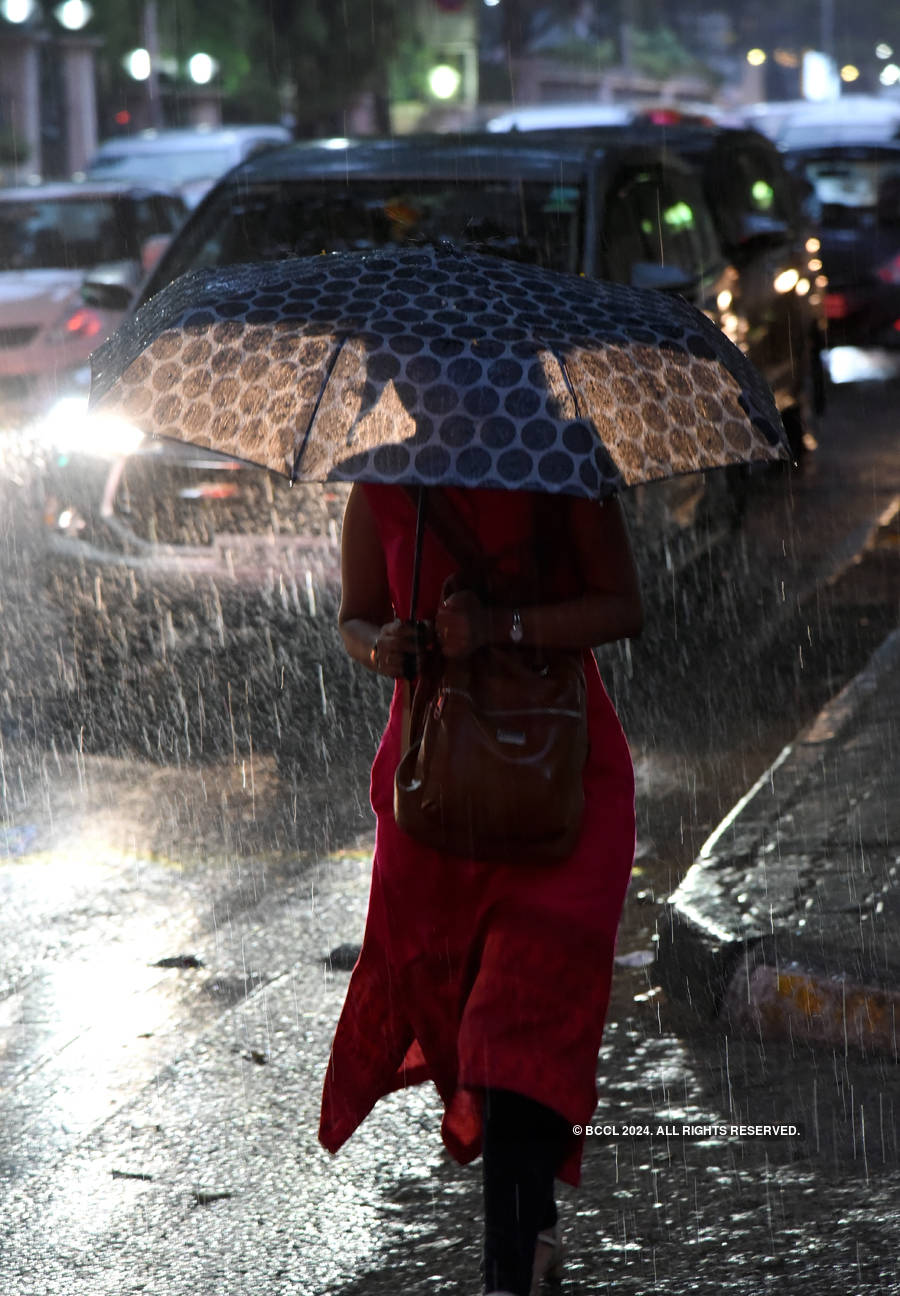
{"x":201,"y":68}
{"x":17,"y":11}
{"x":756,"y":57}
{"x":137,"y":64}
{"x":444,"y":81}
{"x":819,"y":77}
{"x":73,"y":14}
{"x":786,"y":281}
{"x":68,"y":427}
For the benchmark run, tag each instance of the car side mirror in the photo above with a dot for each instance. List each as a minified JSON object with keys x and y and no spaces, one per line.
{"x":106,"y":296}
{"x":667,"y":278}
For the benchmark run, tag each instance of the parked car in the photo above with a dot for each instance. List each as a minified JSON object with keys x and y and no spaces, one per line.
{"x":853,"y":196}
{"x":51,"y":238}
{"x":190,"y":160}
{"x":560,"y":116}
{"x":849,"y":119}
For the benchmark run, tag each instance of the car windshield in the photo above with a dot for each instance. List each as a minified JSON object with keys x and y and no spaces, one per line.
{"x":849,"y":190}
{"x":536,"y":222}
{"x":174,"y":166}
{"x":56,"y":233}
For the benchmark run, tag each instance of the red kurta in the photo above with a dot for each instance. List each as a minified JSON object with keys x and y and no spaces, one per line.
{"x":473,"y":974}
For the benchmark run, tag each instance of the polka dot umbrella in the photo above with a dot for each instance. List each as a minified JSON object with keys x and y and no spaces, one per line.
{"x":431,"y":366}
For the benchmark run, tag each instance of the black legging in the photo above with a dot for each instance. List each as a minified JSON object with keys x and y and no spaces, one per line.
{"x":524,"y":1144}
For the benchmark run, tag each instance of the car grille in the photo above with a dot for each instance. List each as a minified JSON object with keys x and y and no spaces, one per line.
{"x":17,"y":337}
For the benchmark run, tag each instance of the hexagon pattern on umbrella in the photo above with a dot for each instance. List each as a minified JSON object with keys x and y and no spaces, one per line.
{"x":437,"y":366}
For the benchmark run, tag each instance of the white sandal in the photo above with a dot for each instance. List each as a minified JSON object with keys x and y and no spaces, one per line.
{"x":548,"y":1258}
{"x":548,"y":1261}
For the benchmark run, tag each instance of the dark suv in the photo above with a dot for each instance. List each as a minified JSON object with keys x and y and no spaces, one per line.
{"x":613,"y":211}
{"x":620,"y":210}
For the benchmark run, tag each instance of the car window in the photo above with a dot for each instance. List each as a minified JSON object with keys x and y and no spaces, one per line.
{"x":250,"y":148}
{"x":158,"y":214}
{"x":535,"y":222}
{"x":174,"y":212}
{"x":848,"y":191}
{"x":174,"y":166}
{"x":658,"y":216}
{"x":752,"y":192}
{"x":75,"y":234}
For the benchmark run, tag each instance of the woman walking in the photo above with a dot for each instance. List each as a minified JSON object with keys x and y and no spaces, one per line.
{"x":491,"y":979}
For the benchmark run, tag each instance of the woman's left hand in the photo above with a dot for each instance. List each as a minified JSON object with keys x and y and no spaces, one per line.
{"x":462,"y":624}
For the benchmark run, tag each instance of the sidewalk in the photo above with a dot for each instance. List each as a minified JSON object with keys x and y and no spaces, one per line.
{"x":788,"y":922}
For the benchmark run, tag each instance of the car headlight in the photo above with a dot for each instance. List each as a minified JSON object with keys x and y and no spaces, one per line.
{"x":68,"y":428}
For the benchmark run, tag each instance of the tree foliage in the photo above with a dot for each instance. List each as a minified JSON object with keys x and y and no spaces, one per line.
{"x":313,"y":57}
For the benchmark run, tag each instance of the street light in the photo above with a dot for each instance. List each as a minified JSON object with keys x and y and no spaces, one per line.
{"x":17,"y":11}
{"x":137,"y":64}
{"x":756,"y":57}
{"x":201,"y":68}
{"x":444,"y":81}
{"x":73,"y":14}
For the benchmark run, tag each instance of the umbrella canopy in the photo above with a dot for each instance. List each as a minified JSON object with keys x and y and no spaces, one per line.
{"x":432,"y":365}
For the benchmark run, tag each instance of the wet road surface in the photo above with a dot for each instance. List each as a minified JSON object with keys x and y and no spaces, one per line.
{"x":158,"y":1125}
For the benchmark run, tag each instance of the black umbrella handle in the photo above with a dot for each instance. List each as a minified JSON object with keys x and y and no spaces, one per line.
{"x":421,"y":511}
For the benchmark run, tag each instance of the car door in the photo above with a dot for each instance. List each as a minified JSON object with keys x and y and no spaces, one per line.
{"x":765,"y":240}
{"x":655,"y":230}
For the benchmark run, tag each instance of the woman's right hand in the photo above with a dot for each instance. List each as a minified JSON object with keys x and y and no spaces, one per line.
{"x":399,"y":649}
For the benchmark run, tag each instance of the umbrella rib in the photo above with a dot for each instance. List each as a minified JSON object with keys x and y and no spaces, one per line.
{"x":312,"y":418}
{"x":565,"y":373}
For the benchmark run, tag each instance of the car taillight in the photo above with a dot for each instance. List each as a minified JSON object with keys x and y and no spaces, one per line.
{"x":890,"y":272}
{"x":83,"y":322}
{"x":836,"y":306}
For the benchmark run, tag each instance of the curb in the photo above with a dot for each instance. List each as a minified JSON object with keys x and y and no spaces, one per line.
{"x":733,"y":969}
{"x":799,"y":1005}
